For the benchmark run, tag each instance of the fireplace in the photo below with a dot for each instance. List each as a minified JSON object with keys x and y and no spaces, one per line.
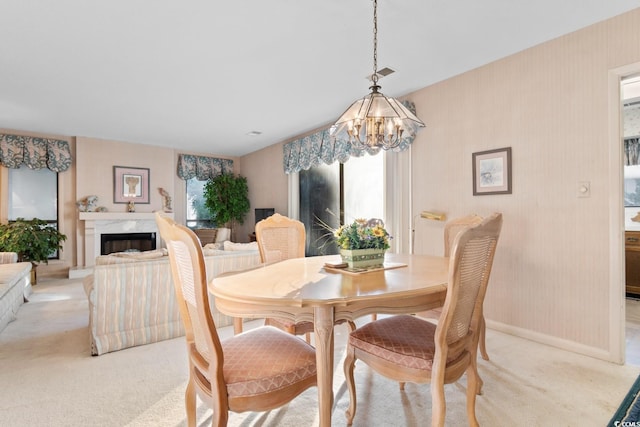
{"x":127,"y":242}
{"x":98,"y":223}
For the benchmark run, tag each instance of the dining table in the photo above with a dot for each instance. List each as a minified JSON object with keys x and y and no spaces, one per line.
{"x":314,"y":289}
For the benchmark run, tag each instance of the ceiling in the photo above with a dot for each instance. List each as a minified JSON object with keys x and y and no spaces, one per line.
{"x":201,"y":75}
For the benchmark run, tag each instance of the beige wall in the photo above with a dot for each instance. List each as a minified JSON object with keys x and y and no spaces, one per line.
{"x":551,"y":105}
{"x":552,"y":279}
{"x":267,"y":185}
{"x":95,"y":160}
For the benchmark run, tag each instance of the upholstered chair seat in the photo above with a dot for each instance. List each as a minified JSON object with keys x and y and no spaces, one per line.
{"x":254,"y":363}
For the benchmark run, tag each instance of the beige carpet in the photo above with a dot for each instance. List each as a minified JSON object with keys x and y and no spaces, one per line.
{"x":48,"y":378}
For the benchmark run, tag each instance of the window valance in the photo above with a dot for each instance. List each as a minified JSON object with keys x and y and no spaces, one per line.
{"x":201,"y":167}
{"x":36,"y":153}
{"x":310,"y":151}
{"x":631,"y":151}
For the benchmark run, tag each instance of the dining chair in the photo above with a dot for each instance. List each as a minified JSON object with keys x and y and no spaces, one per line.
{"x":407,"y":348}
{"x":258,"y":370}
{"x":451,"y":230}
{"x":280,"y":238}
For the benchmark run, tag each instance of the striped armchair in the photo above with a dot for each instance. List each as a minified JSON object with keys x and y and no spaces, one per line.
{"x":8,"y":257}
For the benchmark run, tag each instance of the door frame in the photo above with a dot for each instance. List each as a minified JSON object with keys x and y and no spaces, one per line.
{"x":617,"y":307}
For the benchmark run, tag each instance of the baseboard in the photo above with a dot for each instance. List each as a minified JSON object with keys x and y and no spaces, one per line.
{"x":79,"y":272}
{"x":552,"y":341}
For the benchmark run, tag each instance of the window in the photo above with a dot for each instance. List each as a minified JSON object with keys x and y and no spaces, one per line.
{"x":34,"y":194}
{"x":337,"y":194}
{"x":632,"y":186}
{"x":198,"y":215}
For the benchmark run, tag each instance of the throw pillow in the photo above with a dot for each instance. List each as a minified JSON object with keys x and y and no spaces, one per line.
{"x":223,"y":234}
{"x":214,"y":246}
{"x":231,"y":246}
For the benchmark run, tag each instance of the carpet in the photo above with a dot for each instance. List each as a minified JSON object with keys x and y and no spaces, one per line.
{"x":629,"y":411}
{"x":49,"y":378}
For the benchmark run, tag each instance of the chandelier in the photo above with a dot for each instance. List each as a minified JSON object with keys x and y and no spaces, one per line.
{"x":376,"y":121}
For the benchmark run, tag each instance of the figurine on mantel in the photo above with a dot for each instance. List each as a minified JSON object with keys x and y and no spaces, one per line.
{"x":131,"y":207}
{"x":166,"y":200}
{"x":636,"y":218}
{"x":88,"y":204}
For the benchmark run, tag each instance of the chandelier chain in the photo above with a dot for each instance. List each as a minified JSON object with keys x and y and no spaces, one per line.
{"x":374,"y":76}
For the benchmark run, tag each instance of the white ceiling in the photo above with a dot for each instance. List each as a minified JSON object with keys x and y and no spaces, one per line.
{"x":201,"y":74}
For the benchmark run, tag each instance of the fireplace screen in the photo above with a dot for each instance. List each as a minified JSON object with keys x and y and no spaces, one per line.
{"x":127,"y":242}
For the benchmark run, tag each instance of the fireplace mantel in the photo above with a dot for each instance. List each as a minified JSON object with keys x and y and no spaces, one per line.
{"x":109,"y":216}
{"x":94,"y":224}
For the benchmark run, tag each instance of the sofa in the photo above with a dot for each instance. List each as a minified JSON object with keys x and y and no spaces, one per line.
{"x":132,"y":297}
{"x":15,"y":286}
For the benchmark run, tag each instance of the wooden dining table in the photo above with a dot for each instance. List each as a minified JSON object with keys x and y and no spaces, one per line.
{"x":305,"y":289}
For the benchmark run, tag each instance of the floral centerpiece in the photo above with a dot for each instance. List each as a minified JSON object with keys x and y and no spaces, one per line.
{"x":363,"y":243}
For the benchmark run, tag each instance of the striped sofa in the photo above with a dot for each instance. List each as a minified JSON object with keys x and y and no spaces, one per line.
{"x":132,"y":298}
{"x":15,"y":286}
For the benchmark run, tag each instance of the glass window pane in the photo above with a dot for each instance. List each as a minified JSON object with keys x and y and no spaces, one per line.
{"x":363,"y":188}
{"x":33,"y":194}
{"x":632,"y":185}
{"x":197,"y":214}
{"x":320,"y":203}
{"x":335,"y":194}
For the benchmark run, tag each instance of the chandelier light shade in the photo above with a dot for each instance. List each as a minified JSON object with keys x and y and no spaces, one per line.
{"x":376,"y":121}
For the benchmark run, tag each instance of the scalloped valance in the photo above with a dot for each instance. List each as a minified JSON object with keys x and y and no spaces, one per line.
{"x":36,"y":153}
{"x":310,"y":151}
{"x":201,"y":167}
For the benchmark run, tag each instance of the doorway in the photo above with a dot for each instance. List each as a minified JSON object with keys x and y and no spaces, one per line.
{"x":630,"y":128}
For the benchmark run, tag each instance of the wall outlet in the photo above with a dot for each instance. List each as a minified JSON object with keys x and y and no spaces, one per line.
{"x":584,"y":189}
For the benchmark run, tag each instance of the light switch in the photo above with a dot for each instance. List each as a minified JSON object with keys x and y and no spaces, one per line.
{"x":584,"y":189}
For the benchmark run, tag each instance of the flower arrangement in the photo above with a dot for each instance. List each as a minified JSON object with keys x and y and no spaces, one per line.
{"x":363,"y":234}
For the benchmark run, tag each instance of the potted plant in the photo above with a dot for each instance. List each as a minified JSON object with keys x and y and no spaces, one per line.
{"x":227,"y":199}
{"x":33,"y":240}
{"x":363,"y":243}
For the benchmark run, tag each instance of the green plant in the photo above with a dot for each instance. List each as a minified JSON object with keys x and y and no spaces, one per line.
{"x":227,"y":199}
{"x":33,"y":240}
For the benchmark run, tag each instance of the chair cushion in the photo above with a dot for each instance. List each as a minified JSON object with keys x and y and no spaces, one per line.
{"x":265,"y":359}
{"x":403,"y":340}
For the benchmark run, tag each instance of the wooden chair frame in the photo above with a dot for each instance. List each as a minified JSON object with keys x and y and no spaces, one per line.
{"x":473,"y":251}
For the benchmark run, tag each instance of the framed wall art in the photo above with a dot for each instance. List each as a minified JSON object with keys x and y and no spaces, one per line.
{"x":492,"y":172}
{"x":130,"y":184}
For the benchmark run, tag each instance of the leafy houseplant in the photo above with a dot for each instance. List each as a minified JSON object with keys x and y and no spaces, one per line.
{"x":33,"y":240}
{"x":227,"y":199}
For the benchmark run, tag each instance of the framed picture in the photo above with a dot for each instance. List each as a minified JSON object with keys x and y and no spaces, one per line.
{"x":492,"y":172}
{"x":130,"y":184}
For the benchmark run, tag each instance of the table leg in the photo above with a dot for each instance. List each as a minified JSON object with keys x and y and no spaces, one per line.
{"x":323,"y":318}
{"x":237,"y":325}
